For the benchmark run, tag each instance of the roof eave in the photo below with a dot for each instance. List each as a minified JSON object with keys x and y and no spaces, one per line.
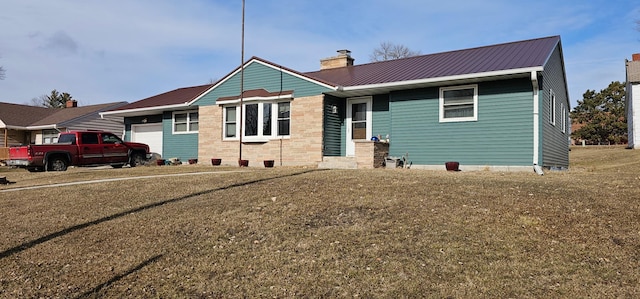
{"x":419,"y":83}
{"x":42,"y":127}
{"x":144,"y":110}
{"x":270,"y":65}
{"x":12,"y":127}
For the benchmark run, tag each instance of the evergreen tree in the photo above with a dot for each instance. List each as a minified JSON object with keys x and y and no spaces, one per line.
{"x":602,"y":116}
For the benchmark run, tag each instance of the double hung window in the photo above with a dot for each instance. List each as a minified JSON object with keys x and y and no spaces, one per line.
{"x":552,"y":107}
{"x":185,"y":122}
{"x":459,"y":103}
{"x":563,"y":114}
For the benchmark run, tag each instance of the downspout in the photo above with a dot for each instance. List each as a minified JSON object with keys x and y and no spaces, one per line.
{"x":536,"y":123}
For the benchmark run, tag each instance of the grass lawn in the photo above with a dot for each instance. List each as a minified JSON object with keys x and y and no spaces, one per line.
{"x":296,"y":232}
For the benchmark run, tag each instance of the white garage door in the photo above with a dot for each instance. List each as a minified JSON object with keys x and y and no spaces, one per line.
{"x":150,"y":134}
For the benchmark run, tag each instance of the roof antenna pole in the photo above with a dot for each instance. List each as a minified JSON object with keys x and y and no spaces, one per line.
{"x":241,"y":85}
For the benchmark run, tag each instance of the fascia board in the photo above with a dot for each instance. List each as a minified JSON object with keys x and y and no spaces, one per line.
{"x":524,"y":71}
{"x":254,"y":99}
{"x":230,"y":75}
{"x":10,"y":127}
{"x":145,"y":109}
{"x":42,"y":127}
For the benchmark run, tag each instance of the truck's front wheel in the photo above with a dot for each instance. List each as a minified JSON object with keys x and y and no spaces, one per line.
{"x":137,"y":159}
{"x":57,"y":164}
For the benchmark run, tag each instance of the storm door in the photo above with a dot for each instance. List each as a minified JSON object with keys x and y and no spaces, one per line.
{"x":358,"y":122}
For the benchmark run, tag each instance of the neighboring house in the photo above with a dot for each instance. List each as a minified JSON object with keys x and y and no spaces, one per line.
{"x":632,"y":100}
{"x":167,"y":122}
{"x":502,"y":107}
{"x":22,"y":124}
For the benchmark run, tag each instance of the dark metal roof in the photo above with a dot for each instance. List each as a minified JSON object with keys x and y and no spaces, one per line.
{"x":174,"y":97}
{"x":501,"y":57}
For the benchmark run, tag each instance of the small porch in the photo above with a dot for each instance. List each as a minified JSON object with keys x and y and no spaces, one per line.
{"x":368,"y":155}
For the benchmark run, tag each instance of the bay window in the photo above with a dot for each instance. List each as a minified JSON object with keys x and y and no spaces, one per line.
{"x":284,"y":118}
{"x":259,"y":119}
{"x":230,"y":122}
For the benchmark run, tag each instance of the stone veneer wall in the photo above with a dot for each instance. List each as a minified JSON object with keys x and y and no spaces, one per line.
{"x":303,"y":148}
{"x":380,"y":154}
{"x":370,"y":154}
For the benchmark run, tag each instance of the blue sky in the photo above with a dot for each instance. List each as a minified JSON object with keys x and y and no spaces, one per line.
{"x":120,"y":50}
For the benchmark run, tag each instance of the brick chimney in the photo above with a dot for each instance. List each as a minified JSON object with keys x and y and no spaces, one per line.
{"x":72,"y":104}
{"x":341,"y":60}
{"x":635,"y":57}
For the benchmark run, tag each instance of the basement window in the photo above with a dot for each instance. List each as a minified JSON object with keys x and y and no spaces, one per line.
{"x":459,"y":103}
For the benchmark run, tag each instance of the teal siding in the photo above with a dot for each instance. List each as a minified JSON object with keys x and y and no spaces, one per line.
{"x":259,"y":76}
{"x":333,"y":127}
{"x":554,"y":142}
{"x":381,"y":120}
{"x":182,"y":146}
{"x":136,"y":120}
{"x":503,"y":134}
{"x":334,"y":124}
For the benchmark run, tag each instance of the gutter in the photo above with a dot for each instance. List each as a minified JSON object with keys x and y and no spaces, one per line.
{"x":521,"y":71}
{"x":43,"y":127}
{"x":145,"y":109}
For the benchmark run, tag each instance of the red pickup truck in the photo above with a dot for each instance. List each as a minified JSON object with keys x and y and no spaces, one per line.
{"x":79,"y":148}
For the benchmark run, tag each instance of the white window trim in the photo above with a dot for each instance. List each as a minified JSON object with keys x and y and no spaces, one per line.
{"x":173,"y":122}
{"x":51,"y":134}
{"x":563,"y":113}
{"x":552,"y":107}
{"x":260,"y":137}
{"x":459,"y":119}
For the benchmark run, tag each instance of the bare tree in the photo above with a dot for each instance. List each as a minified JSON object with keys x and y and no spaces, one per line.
{"x":2,"y":73}
{"x":39,"y":101}
{"x":390,"y":51}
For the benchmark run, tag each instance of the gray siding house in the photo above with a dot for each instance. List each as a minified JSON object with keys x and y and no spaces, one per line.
{"x":632,"y":100}
{"x":497,"y":107}
{"x":23,"y":124}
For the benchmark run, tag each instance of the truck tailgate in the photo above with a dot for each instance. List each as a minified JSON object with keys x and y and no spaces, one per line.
{"x":18,"y":152}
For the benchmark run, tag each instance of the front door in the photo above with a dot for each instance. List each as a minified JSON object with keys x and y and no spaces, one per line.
{"x":358,"y":122}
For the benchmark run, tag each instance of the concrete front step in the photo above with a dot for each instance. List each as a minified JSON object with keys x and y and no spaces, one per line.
{"x":338,"y":163}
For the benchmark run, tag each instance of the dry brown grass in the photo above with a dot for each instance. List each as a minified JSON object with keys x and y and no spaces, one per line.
{"x":293,"y":232}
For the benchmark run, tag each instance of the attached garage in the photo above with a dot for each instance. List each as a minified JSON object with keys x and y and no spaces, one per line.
{"x":151,"y":134}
